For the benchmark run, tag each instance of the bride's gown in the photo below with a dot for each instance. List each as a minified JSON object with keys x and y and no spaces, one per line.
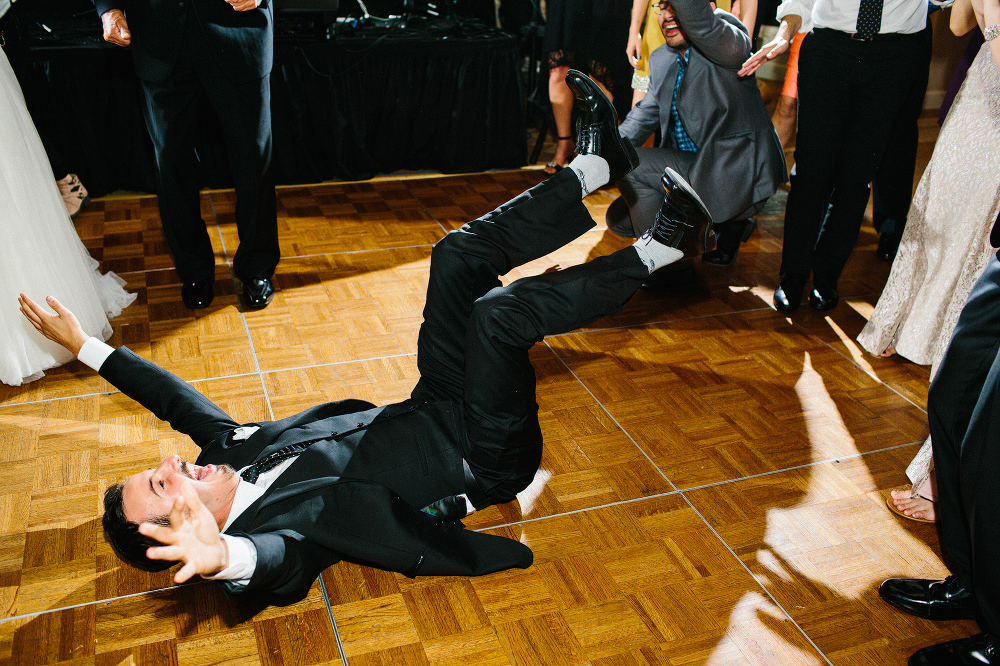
{"x":946,"y":244}
{"x":40,"y":253}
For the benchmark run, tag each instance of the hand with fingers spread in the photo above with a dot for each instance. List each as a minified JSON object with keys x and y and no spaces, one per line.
{"x":62,"y":328}
{"x":192,"y":537}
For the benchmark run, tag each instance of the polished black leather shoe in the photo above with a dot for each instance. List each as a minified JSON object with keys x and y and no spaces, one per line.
{"x":888,"y":245}
{"x":683,"y":221}
{"x":197,"y":295}
{"x":729,"y":237}
{"x":978,"y":650}
{"x":257,"y":293}
{"x":946,"y":599}
{"x":824,"y":295}
{"x":788,"y":295}
{"x":597,"y":126}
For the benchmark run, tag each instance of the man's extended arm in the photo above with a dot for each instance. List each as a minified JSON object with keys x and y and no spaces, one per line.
{"x":723,"y":42}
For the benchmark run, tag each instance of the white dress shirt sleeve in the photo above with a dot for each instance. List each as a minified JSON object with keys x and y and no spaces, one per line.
{"x":802,"y":8}
{"x":94,"y":353}
{"x":242,"y":561}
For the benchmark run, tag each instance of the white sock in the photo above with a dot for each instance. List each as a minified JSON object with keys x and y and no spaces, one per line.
{"x":592,"y":170}
{"x":654,"y":253}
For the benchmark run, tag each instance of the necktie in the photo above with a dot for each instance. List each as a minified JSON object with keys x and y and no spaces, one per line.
{"x":266,"y":464}
{"x":869,"y":19}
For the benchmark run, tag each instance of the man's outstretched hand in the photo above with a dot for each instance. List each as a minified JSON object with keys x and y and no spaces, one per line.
{"x":192,"y":537}
{"x":62,"y":328}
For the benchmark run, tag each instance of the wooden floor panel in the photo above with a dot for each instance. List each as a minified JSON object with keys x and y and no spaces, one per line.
{"x":643,"y":583}
{"x":782,"y":435}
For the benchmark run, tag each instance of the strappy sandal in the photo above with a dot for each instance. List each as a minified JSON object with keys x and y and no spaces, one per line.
{"x":892,"y":507}
{"x":555,"y":165}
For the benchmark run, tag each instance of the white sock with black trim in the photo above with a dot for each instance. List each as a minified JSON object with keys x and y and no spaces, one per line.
{"x":592,"y":170}
{"x":655,"y":254}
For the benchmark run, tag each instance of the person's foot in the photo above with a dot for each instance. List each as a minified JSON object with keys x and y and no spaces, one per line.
{"x":788,"y":295}
{"x":946,"y":599}
{"x":74,"y":194}
{"x":888,"y":245}
{"x":911,"y":506}
{"x":597,"y":128}
{"x":257,"y":293}
{"x":564,"y":150}
{"x":978,"y":650}
{"x":824,"y":295}
{"x":888,"y":352}
{"x":729,"y":237}
{"x":197,"y":295}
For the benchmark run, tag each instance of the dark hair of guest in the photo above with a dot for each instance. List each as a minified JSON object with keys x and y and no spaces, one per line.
{"x":124,"y":536}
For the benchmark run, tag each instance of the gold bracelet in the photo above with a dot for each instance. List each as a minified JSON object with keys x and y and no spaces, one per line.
{"x":992,"y":32}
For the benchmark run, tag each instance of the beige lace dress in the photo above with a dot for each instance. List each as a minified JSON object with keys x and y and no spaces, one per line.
{"x":946,"y":245}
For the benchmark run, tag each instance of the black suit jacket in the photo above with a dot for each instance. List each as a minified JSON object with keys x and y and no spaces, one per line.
{"x":355,"y":493}
{"x":241,"y":43}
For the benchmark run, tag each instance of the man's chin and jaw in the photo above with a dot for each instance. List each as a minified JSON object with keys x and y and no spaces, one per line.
{"x":672,"y":31}
{"x":151,"y":493}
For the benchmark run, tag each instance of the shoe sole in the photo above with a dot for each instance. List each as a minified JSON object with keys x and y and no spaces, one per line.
{"x":677,"y":180}
{"x":630,"y":154}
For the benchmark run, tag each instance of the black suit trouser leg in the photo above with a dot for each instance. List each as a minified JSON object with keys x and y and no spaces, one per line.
{"x":245,"y":110}
{"x":171,"y":110}
{"x":892,"y":187}
{"x":849,"y":95}
{"x":964,"y":415}
{"x":474,"y":342}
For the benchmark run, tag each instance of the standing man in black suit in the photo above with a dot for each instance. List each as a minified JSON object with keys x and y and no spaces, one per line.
{"x":385,"y":486}
{"x":963,"y":409}
{"x":223,"y":49}
{"x":857,"y":68}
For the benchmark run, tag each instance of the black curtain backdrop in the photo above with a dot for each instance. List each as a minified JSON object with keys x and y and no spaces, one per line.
{"x":347,"y":108}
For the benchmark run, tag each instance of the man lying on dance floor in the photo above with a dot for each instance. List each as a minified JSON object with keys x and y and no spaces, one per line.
{"x":268,"y":506}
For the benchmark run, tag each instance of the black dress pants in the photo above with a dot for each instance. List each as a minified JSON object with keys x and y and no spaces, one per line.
{"x":474,"y":341}
{"x":244,"y":107}
{"x":892,"y":187}
{"x":964,"y":413}
{"x":850,"y":93}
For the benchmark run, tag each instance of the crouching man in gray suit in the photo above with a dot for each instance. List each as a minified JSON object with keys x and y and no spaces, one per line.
{"x":715,"y":130}
{"x":268,"y":506}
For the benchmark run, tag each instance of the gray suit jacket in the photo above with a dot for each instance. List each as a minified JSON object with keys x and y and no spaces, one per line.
{"x":739,"y":160}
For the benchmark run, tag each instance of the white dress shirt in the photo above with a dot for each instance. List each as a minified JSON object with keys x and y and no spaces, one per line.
{"x":903,"y":16}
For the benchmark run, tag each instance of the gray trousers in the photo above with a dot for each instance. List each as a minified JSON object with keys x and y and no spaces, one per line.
{"x":642,"y":193}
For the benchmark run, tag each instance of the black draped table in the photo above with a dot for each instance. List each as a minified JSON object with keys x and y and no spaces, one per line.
{"x":345,"y":108}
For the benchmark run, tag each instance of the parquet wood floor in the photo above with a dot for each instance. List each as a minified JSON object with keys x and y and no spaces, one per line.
{"x":711,"y":490}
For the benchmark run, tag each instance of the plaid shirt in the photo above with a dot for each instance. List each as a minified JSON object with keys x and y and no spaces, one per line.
{"x":677,"y":131}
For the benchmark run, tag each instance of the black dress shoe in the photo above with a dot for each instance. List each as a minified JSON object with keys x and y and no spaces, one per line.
{"x":788,"y":295}
{"x":824,"y":295}
{"x":257,"y":293}
{"x":888,"y":245}
{"x":597,"y":126}
{"x":729,"y":237}
{"x":978,"y":650}
{"x":946,"y":599}
{"x":197,"y":295}
{"x":683,"y":221}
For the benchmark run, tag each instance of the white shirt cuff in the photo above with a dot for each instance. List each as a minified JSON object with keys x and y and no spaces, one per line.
{"x":94,"y":353}
{"x":242,"y":561}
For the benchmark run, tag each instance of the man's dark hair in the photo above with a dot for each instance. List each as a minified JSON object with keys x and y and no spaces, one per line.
{"x":123,"y":534}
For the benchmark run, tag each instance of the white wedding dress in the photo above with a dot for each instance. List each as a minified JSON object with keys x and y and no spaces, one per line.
{"x":40,"y":253}
{"x":946,"y":243}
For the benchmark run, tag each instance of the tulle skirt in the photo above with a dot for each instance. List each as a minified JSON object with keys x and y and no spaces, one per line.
{"x":40,"y":252}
